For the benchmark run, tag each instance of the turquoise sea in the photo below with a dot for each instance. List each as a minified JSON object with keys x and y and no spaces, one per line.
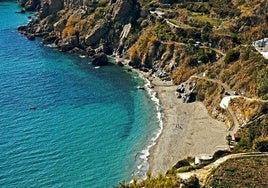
{"x":90,"y":127}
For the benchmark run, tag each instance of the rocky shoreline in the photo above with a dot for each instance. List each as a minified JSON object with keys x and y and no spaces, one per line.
{"x":94,"y":28}
{"x":70,"y":30}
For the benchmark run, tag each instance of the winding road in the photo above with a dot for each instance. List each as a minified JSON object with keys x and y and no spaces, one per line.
{"x":235,"y":123}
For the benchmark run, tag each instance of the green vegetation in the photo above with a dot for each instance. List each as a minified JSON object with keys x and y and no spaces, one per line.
{"x":261,"y":144}
{"x":206,"y":19}
{"x":262,"y":80}
{"x":164,"y":33}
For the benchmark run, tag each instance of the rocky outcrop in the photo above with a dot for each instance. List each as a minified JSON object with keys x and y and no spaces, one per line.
{"x":96,"y":34}
{"x":50,"y":7}
{"x":29,"y":5}
{"x":77,"y":3}
{"x":100,"y":59}
{"x":68,"y":43}
{"x":123,"y":10}
{"x":186,"y":91}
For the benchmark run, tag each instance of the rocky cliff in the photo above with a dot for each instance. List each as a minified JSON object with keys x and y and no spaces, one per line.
{"x":82,"y":26}
{"x":30,"y":5}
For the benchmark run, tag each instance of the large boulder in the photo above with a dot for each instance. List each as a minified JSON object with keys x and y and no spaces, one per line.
{"x":50,"y":38}
{"x":68,"y":43}
{"x":22,"y":29}
{"x":100,"y":59}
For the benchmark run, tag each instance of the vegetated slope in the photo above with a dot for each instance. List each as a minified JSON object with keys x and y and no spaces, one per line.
{"x":242,"y":172}
{"x":193,"y":36}
{"x":208,"y":38}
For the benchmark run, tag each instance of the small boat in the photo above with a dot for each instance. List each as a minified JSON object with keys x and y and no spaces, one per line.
{"x":32,"y":107}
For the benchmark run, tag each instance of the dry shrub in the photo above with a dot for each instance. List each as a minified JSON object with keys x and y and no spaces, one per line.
{"x":140,"y":48}
{"x":184,"y":71}
{"x":69,"y":29}
{"x":81,"y":24}
{"x":245,"y":109}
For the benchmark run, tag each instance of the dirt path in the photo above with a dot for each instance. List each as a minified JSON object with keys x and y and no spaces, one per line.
{"x":225,"y":86}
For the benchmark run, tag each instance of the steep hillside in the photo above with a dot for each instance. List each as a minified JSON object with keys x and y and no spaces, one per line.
{"x":251,"y":172}
{"x":82,"y":26}
{"x":173,"y":40}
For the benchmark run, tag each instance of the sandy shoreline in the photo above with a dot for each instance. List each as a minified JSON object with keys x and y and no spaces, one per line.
{"x":188,"y":130}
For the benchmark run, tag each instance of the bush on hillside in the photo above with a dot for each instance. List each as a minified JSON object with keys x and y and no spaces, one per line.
{"x":261,"y":144}
{"x":182,"y":163}
{"x":231,"y":56}
{"x":192,"y":182}
{"x":220,"y":153}
{"x":203,"y":56}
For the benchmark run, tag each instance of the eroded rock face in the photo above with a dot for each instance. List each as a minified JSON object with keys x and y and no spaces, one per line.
{"x":60,"y":25}
{"x":50,"y":7}
{"x":29,"y":5}
{"x":76,"y":3}
{"x":95,"y":35}
{"x":123,"y":10}
{"x":80,"y":24}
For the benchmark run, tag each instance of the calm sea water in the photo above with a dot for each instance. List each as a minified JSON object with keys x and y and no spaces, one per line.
{"x":91,"y":126}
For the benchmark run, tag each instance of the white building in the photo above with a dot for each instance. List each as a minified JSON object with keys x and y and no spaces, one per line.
{"x":262,"y":47}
